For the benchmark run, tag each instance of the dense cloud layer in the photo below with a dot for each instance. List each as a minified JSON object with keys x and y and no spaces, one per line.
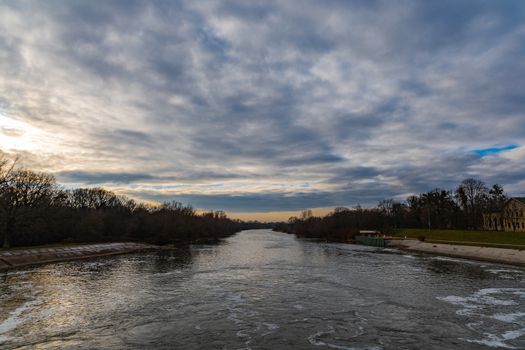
{"x":266,"y":106}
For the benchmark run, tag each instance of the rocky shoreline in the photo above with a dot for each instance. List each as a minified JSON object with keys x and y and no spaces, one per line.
{"x":490,"y":254}
{"x":32,"y":256}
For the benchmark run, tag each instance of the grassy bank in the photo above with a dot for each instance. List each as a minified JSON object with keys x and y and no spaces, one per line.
{"x":488,"y":238}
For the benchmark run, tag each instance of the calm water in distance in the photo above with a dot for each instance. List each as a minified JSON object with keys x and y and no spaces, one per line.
{"x":264,"y":290}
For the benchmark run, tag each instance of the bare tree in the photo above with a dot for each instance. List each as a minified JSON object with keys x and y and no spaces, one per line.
{"x":386,"y":206}
{"x":306,"y":214}
{"x":6,"y":171}
{"x":472,"y":197}
{"x":496,"y":198}
{"x":23,"y":194}
{"x":93,"y":198}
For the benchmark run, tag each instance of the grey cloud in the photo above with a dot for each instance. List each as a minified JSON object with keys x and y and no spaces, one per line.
{"x":14,"y":132}
{"x":415,"y":87}
{"x":269,"y":202}
{"x":131,"y":136}
{"x":102,"y":178}
{"x":346,"y":175}
{"x":116,"y":178}
{"x":333,"y":92}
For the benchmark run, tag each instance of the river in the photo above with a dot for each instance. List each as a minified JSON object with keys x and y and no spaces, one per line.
{"x":264,"y":290}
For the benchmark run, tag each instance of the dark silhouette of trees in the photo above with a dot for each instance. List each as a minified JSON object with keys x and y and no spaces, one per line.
{"x":496,"y":198}
{"x":26,"y":197}
{"x":393,"y":211}
{"x":436,"y":209}
{"x":340,"y":225}
{"x":93,"y":198}
{"x":472,"y":196}
{"x":35,"y":210}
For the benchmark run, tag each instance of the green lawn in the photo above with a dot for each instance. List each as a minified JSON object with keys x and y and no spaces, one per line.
{"x":489,"y":238}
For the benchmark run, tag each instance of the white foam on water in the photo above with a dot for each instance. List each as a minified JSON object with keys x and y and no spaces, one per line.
{"x":473,"y":325}
{"x":487,"y":300}
{"x":496,"y":341}
{"x":23,"y":285}
{"x":504,"y":274}
{"x":483,"y":297}
{"x":509,"y":318}
{"x":3,"y":339}
{"x":17,"y":273}
{"x":480,"y":304}
{"x":174,"y":272}
{"x":516,"y":291}
{"x":390,"y":250}
{"x":465,"y":302}
{"x":463,"y":261}
{"x":498,"y":271}
{"x":241,"y":334}
{"x":490,"y":342}
{"x":514,"y":334}
{"x":16,"y":318}
{"x":314,"y":340}
{"x":271,"y":326}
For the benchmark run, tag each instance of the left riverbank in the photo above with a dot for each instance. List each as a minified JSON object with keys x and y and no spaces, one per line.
{"x":33,"y":256}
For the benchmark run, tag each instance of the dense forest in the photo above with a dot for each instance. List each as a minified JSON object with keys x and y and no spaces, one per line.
{"x":35,"y":210}
{"x":461,"y":208}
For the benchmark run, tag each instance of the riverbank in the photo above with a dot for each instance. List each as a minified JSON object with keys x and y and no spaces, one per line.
{"x":481,"y":238}
{"x":491,"y":254}
{"x":14,"y":258}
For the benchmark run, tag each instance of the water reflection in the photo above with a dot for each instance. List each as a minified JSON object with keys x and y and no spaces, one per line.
{"x":170,"y":259}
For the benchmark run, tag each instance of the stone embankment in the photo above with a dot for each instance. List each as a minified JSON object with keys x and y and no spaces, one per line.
{"x":30,"y":256}
{"x":498,"y":255}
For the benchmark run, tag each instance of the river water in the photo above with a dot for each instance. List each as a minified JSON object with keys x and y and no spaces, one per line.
{"x":264,"y":290}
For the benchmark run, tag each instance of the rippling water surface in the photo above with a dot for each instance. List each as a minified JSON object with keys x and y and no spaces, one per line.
{"x":264,"y":290}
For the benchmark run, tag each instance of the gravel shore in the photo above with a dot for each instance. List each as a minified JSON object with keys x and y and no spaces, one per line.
{"x":498,"y":255}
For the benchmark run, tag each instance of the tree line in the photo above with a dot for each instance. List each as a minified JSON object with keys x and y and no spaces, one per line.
{"x":35,"y":210}
{"x":461,"y":208}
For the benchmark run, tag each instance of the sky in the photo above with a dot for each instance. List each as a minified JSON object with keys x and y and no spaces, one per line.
{"x":265,"y":108}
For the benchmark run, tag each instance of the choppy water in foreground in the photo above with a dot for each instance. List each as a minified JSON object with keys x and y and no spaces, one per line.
{"x":264,"y":290}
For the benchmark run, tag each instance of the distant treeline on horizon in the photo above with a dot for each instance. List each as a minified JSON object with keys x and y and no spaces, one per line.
{"x":461,"y":208}
{"x":34,"y":210}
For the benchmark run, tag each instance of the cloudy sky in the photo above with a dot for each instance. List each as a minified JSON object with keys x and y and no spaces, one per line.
{"x":265,"y":106}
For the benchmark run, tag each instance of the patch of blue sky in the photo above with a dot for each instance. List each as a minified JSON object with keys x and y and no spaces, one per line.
{"x":494,"y":150}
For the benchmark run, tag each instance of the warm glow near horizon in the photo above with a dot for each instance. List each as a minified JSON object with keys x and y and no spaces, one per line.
{"x":276,"y":216}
